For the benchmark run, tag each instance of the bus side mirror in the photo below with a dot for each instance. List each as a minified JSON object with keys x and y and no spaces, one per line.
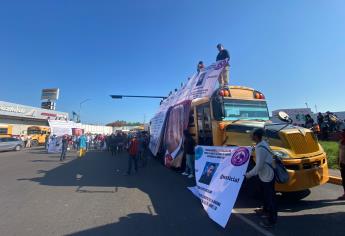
{"x":283,"y":116}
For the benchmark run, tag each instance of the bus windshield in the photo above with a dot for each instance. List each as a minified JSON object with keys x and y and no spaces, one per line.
{"x":245,"y":110}
{"x":34,"y":131}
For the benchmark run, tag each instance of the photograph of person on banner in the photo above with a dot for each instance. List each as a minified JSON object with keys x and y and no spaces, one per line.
{"x":208,"y":172}
{"x":173,"y":137}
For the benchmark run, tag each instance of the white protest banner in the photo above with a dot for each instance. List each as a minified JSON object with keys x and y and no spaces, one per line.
{"x":54,"y":145}
{"x":205,"y":83}
{"x":219,"y":173}
{"x":60,"y":128}
{"x":199,"y":85}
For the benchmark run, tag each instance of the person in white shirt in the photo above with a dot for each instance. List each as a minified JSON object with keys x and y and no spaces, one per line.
{"x":264,"y":169}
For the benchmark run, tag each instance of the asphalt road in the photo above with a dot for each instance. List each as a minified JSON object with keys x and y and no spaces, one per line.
{"x":39,"y":195}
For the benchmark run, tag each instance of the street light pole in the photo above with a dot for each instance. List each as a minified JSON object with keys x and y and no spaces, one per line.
{"x":134,"y":96}
{"x":80,"y":108}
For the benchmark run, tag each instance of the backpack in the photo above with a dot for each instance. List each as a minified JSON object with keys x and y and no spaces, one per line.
{"x":280,"y":172}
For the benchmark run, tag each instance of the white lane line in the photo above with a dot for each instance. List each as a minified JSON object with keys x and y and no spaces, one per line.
{"x":252,"y":224}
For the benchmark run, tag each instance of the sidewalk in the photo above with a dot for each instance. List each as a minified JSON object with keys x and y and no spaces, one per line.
{"x":334,"y":172}
{"x":334,"y":177}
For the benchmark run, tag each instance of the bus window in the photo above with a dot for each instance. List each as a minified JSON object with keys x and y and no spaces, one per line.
{"x":3,"y":130}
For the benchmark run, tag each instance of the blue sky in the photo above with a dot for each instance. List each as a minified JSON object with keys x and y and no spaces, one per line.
{"x":293,"y":51}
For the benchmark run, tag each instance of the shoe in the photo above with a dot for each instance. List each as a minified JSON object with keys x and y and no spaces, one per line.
{"x":190,"y":176}
{"x":266,"y":224}
{"x":342,"y":197}
{"x":184,"y":173}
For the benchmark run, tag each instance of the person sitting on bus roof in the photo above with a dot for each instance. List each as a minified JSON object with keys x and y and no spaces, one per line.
{"x":200,"y":67}
{"x":222,"y":55}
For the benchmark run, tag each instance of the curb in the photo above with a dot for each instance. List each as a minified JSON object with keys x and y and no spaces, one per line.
{"x":335,"y":180}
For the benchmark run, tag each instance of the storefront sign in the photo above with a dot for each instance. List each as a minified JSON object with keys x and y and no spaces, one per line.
{"x":16,"y":110}
{"x":219,"y":173}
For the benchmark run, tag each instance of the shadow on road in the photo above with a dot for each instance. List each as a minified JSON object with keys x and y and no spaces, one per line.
{"x":174,"y":210}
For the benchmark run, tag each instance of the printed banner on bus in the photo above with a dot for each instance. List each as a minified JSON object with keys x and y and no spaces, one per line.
{"x":219,"y":173}
{"x":199,"y":85}
{"x":177,"y":122}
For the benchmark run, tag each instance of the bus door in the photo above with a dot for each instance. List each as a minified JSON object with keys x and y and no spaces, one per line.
{"x":204,"y":124}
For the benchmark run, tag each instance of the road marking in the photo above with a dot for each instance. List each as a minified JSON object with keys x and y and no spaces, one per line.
{"x":252,"y":224}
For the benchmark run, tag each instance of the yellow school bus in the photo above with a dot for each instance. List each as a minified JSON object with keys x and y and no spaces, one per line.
{"x":38,"y":134}
{"x":6,"y":131}
{"x":228,"y":118}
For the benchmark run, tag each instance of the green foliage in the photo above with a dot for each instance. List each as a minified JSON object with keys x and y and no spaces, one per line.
{"x":332,"y":150}
{"x":120,"y":123}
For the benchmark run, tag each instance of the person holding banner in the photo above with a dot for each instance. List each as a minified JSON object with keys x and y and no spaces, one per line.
{"x":263,"y":168}
{"x":223,"y":54}
{"x":200,"y":66}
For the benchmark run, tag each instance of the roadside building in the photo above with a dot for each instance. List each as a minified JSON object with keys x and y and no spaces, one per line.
{"x":15,"y":119}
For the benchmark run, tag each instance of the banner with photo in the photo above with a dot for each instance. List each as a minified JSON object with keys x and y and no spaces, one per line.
{"x":177,"y":122}
{"x":219,"y":173}
{"x":199,"y":85}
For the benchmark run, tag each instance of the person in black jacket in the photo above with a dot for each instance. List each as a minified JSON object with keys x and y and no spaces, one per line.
{"x":222,"y":55}
{"x":189,"y":145}
{"x":64,"y":148}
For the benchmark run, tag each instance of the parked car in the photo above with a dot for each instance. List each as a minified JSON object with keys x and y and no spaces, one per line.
{"x":7,"y":144}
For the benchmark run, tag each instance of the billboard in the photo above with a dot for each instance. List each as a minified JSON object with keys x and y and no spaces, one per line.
{"x":50,"y":94}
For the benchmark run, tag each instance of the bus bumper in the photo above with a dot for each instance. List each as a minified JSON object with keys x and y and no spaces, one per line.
{"x":306,"y":178}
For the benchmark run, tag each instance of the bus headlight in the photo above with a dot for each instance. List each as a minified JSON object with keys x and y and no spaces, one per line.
{"x":281,"y":154}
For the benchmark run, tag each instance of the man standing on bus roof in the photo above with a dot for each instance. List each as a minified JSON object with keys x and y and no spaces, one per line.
{"x":222,"y":55}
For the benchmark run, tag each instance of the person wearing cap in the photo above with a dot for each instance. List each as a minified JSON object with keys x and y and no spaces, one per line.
{"x":264,"y":169}
{"x":341,"y":159}
{"x":200,"y":66}
{"x":223,"y":54}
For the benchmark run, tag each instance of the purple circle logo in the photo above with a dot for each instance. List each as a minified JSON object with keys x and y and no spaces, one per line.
{"x":240,"y":157}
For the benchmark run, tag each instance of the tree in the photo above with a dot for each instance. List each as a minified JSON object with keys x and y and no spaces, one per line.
{"x":120,"y":123}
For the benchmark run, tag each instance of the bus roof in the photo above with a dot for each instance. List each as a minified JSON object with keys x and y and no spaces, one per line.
{"x":236,"y":92}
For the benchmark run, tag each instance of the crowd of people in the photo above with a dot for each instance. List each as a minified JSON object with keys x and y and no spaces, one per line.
{"x":325,"y":125}
{"x":135,"y":143}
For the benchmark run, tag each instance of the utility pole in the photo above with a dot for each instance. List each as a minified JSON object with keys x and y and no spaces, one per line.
{"x":81,"y":103}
